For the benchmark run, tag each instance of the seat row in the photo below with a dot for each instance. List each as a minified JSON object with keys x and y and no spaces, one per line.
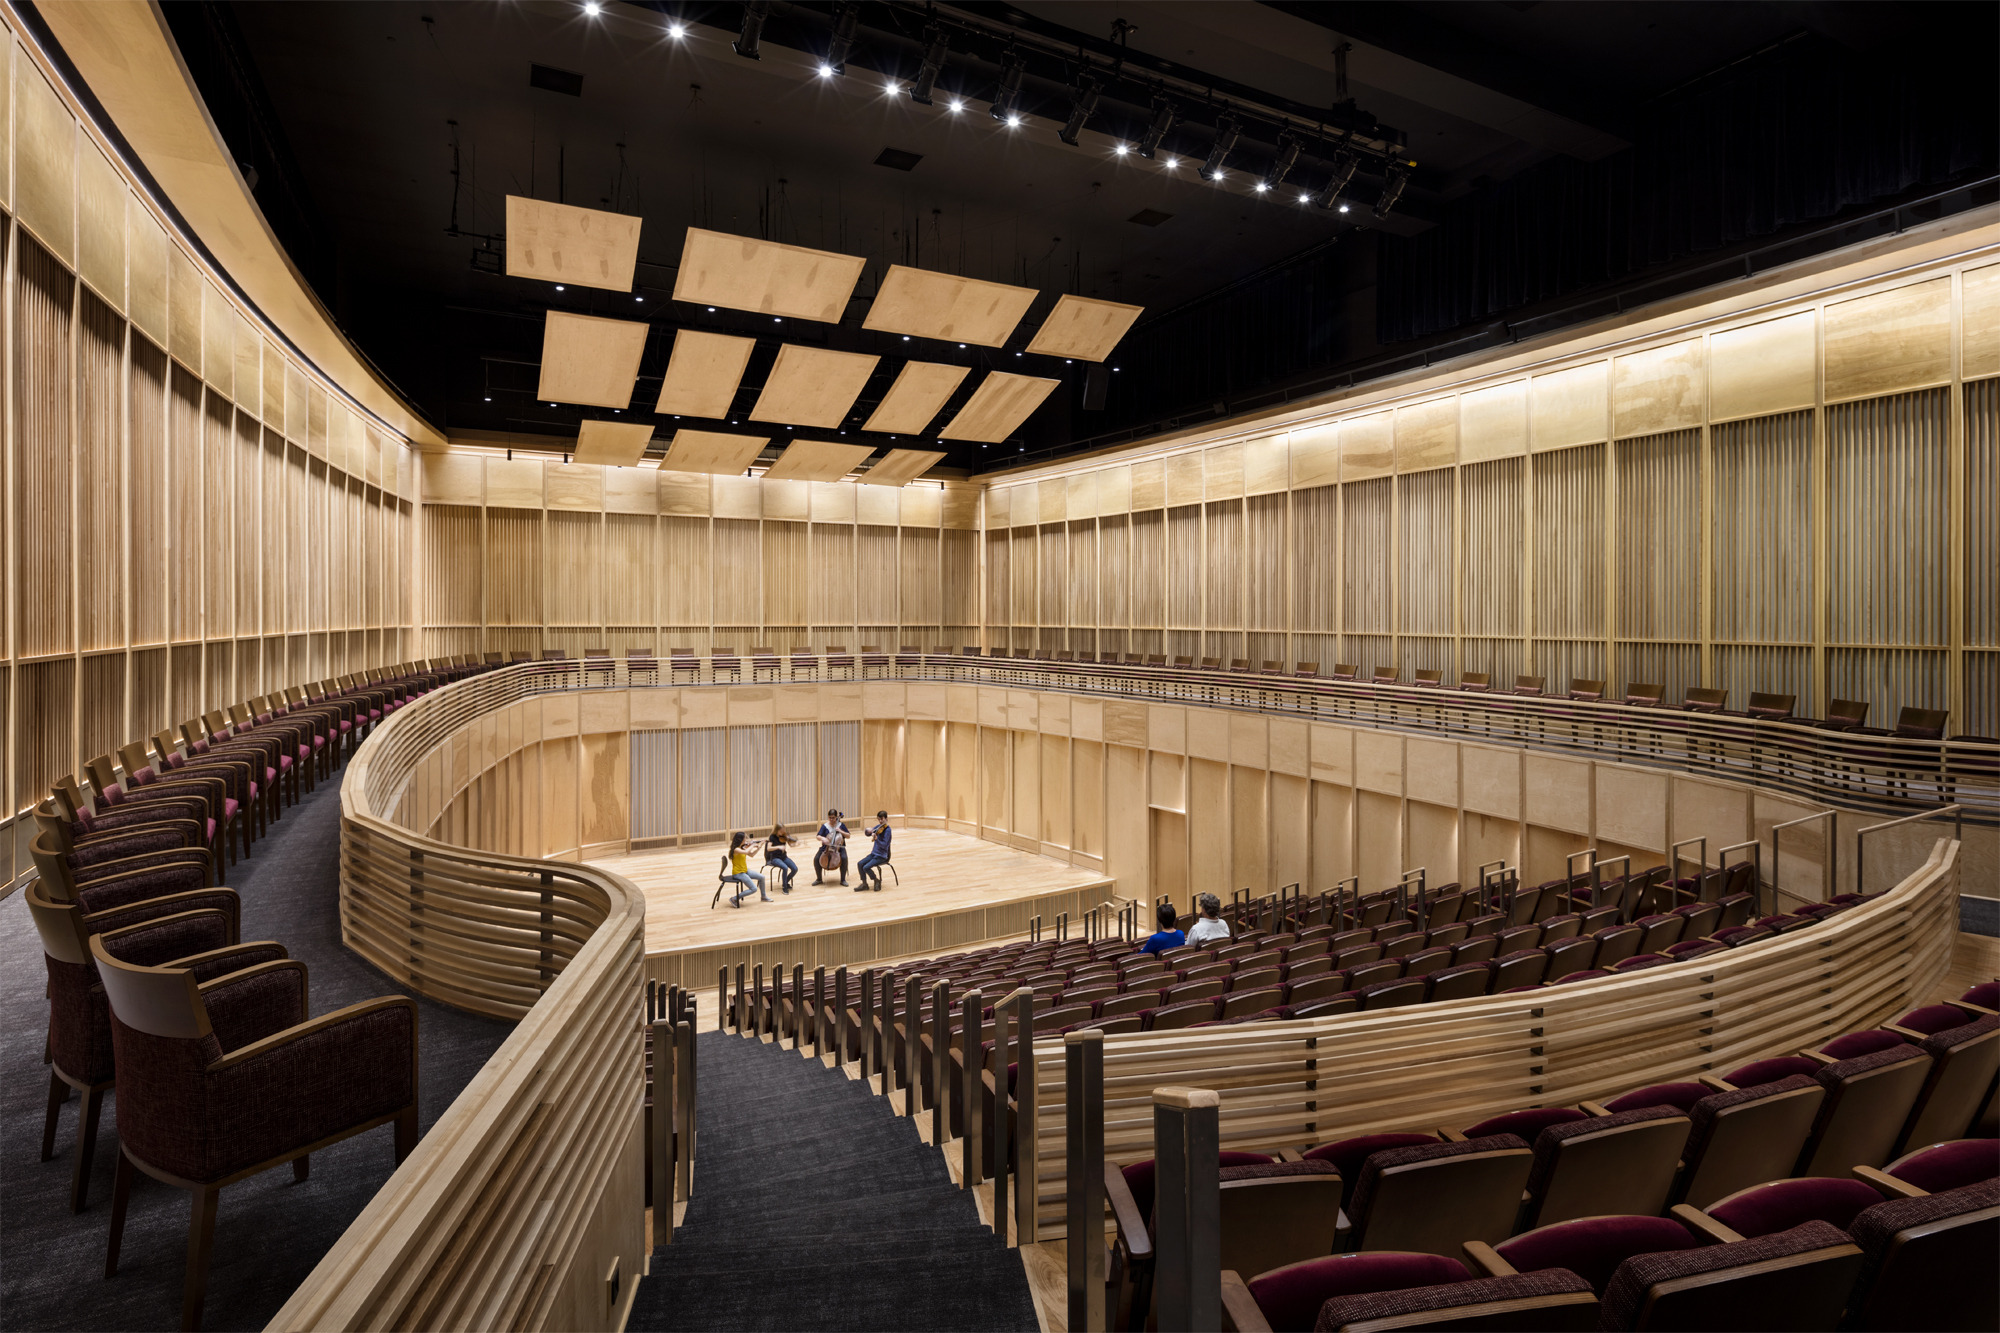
{"x":1814,"y":1138}
{"x":153,"y":996}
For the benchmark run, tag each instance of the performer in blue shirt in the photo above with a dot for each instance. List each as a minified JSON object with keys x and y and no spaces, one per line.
{"x":878,"y":855}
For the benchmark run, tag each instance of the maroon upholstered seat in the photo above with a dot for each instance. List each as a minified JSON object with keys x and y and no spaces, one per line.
{"x":1927,"y":1262}
{"x":1553,"y":1300}
{"x":1790,"y":1279}
{"x":1780,"y":1205}
{"x":1290,"y":1297}
{"x":1434,"y":1197}
{"x":1605,"y":1165}
{"x":1593,"y":1247}
{"x":1682,"y":1096}
{"x":1948,"y":1166}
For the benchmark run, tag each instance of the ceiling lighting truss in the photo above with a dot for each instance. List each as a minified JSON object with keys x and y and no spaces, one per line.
{"x":843,"y":37}
{"x":1007,"y":102}
{"x":936,"y":47}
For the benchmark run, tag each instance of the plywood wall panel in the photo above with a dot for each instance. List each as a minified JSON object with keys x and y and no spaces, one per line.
{"x":1493,"y":422}
{"x":1772,"y":366}
{"x":45,"y":137}
{"x":1659,"y":389}
{"x":44,"y":454}
{"x":1569,"y":407}
{"x":1890,"y":341}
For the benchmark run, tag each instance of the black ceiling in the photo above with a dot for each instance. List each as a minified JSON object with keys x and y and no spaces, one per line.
{"x":384,"y":138}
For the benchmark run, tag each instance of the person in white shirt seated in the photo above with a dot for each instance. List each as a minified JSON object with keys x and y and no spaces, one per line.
{"x":1209,"y":928}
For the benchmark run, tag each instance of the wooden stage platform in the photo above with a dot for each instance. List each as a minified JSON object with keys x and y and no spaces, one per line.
{"x":955,"y":891}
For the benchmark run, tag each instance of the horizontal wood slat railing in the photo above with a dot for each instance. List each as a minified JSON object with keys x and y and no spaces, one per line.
{"x":523,"y":1206}
{"x":1871,"y":773}
{"x":1297,"y":1083}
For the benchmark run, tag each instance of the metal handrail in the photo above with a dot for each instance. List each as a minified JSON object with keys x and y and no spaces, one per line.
{"x":1828,"y":873}
{"x":1957,"y":814}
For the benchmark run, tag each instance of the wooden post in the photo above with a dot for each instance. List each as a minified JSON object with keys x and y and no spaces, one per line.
{"x":998,"y":1130}
{"x":1083,"y":1091}
{"x":1025,"y":1121}
{"x":757,"y":1002}
{"x":798,"y":1006}
{"x":906,"y":1045}
{"x":1187,"y":1210}
{"x":666,"y":1106}
{"x":721,"y":998}
{"x":973,"y":1169}
{"x":867,"y":1023}
{"x":940,"y":1059}
{"x":819,"y":1024}
{"x":741,"y":1015}
{"x":684,"y":1088}
{"x":840,"y":1017}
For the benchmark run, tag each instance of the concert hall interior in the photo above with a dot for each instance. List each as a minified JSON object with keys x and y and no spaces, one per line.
{"x":1042,"y":665}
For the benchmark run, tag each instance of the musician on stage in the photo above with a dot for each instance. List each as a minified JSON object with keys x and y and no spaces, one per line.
{"x":832,"y":848}
{"x":878,"y":855}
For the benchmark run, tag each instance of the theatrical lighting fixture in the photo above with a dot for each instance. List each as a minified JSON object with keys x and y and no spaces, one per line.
{"x":1005,"y":102}
{"x":1392,"y":189}
{"x":1344,"y":168}
{"x":843,"y":41}
{"x":1225,"y":139}
{"x":754,"y":14}
{"x":1281,"y":165}
{"x":1080,"y":108}
{"x":957,"y":106}
{"x":1121,"y":149}
{"x":676,"y":31}
{"x":935,"y":47}
{"x":592,"y":8}
{"x":1163,"y":120}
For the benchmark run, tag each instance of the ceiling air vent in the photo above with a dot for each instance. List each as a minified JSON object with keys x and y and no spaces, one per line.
{"x":1149,"y":217}
{"x":897,"y":159}
{"x":555,"y":80}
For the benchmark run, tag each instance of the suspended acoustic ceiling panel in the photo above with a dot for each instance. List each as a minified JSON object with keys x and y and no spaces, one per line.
{"x":558,"y":243}
{"x":1084,"y":328}
{"x":941,"y":305}
{"x":708,"y":451}
{"x":900,"y":467}
{"x":817,"y":460}
{"x":918,"y":394}
{"x":613,"y":443}
{"x":590,"y":360}
{"x":810,"y":386}
{"x":703,"y":373}
{"x":998,"y":407}
{"x":772,"y":279}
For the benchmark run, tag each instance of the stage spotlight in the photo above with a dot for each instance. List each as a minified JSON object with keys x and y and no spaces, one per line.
{"x":1005,"y":102}
{"x":843,"y":41}
{"x":676,"y":31}
{"x":1079,"y":111}
{"x":1392,"y":189}
{"x":1344,"y":167}
{"x":1163,"y":120}
{"x":1225,"y":139}
{"x":1121,"y":149}
{"x":592,"y":8}
{"x":754,"y":14}
{"x":1281,"y":165}
{"x":935,"y":47}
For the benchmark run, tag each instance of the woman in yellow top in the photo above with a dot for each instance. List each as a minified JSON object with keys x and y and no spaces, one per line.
{"x":736,"y":868}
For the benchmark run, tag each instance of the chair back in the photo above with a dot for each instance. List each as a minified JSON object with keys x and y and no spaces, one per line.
{"x":1921,"y":723}
{"x":1387,"y":675}
{"x":1429,"y":677}
{"x":50,"y":823}
{"x":1964,"y":1062}
{"x":216,"y":723}
{"x":1706,"y":701}
{"x":1345,"y":670}
{"x":1618,"y":1165}
{"x":60,"y":924}
{"x":53,"y":867}
{"x":1747,"y":1136}
{"x":1847,"y":712}
{"x":1433,"y":1198}
{"x":1475,"y":680}
{"x":1920,"y":1261}
{"x":1771,"y":706}
{"x":1278,"y":1214}
{"x":1791,"y":1279}
{"x":103,"y":773}
{"x":158,"y":1001}
{"x":166,"y":743}
{"x":136,"y":758}
{"x":1868,"y":1101}
{"x":1305,"y":669}
{"x":1590,"y":689}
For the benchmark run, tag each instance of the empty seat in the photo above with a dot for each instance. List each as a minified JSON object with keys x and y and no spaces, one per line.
{"x":1553,"y":1301}
{"x":1927,"y":1263}
{"x":1432,"y":1198}
{"x":1964,"y":1061}
{"x":1590,"y":1247}
{"x":1290,"y":1296}
{"x":1743,"y":1136}
{"x":1617,"y":1164}
{"x":1939,"y":1167}
{"x":1868,"y":1101}
{"x":1780,"y":1205}
{"x":1792,"y":1279}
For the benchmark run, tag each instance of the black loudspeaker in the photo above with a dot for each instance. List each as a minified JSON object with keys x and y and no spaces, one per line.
{"x":1096,"y":382}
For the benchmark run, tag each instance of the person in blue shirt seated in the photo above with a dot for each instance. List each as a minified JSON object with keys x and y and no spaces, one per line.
{"x":878,"y":856}
{"x":1166,"y":937}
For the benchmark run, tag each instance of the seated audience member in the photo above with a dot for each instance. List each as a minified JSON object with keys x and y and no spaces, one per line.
{"x":1211,"y":927}
{"x":1166,"y":937}
{"x":878,"y":855}
{"x":776,"y":855}
{"x":736,"y":869}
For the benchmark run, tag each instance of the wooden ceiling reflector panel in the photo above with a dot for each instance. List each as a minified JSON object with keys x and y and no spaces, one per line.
{"x":703,"y":373}
{"x":900,"y":467}
{"x":817,"y":460}
{"x":739,"y":273}
{"x":941,"y":305}
{"x":613,"y":443}
{"x":918,"y":394}
{"x":998,"y":407}
{"x":1084,"y":327}
{"x":810,"y":386}
{"x":590,"y":360}
{"x":710,"y":451}
{"x":558,"y":243}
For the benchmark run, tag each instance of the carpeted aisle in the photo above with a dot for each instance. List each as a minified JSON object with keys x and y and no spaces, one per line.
{"x":269,"y":1231}
{"x":815,"y":1208}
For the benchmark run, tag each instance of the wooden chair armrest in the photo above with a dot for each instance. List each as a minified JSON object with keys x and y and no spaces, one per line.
{"x":1290,"y":1155}
{"x":1596,"y":1110}
{"x":1891,"y":1187}
{"x":1977,"y":1010}
{"x":1125,"y":1212}
{"x":1711,"y":1081}
{"x":1451,"y":1136}
{"x":1701,"y":1223}
{"x":266,"y":1045}
{"x":1819,"y":1056}
{"x":1485,"y":1261}
{"x":251,"y":950}
{"x":1913,"y":1037}
{"x":1240,"y":1310}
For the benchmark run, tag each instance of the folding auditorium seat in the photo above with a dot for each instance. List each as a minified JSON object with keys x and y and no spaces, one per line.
{"x":1964,"y":1061}
{"x":1459,"y":982}
{"x":1780,"y":1205}
{"x":1743,"y":1136}
{"x":1590,"y":1247}
{"x":1524,"y":967}
{"x":1392,"y":994}
{"x":1476,"y":682}
{"x":1868,"y":1101}
{"x":1290,"y":1296}
{"x":1586,"y":691}
{"x":1927,"y":1262}
{"x":1565,"y":957}
{"x":1593,"y":1166}
{"x":1699,"y":700}
{"x":1431,"y":1198}
{"x":1796,"y":1279}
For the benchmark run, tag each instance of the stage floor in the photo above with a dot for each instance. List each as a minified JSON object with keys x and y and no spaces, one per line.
{"x":942,"y":873}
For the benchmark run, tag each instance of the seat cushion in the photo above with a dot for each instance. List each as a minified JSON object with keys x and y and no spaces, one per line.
{"x":1527,"y":1124}
{"x":1593,"y":1247}
{"x":1291,"y":1297}
{"x":1783,"y":1204}
{"x":1625,"y":1294}
{"x":1849,"y":1045}
{"x":1349,"y":1154}
{"x":1680,"y":1095}
{"x":1934,"y":1018}
{"x":1949,"y":1166}
{"x":1759,"y":1072}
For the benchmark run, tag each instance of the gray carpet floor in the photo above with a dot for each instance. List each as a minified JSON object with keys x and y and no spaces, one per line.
{"x":269,"y":1231}
{"x":815,"y":1208}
